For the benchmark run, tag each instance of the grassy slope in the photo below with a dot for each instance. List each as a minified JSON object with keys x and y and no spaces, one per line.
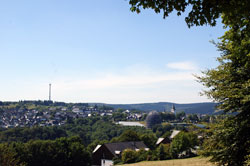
{"x":196,"y":161}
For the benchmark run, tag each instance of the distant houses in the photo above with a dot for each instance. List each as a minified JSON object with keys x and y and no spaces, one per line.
{"x":40,"y":115}
{"x":45,"y":116}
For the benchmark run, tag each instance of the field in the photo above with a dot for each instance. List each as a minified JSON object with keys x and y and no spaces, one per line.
{"x":196,"y":161}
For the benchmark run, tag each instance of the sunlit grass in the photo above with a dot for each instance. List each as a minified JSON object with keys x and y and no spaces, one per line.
{"x":196,"y":161}
{"x":142,"y":122}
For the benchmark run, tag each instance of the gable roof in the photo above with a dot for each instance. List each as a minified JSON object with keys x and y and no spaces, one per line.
{"x":159,"y":140}
{"x":167,"y":139}
{"x":114,"y":148}
{"x":174,"y":133}
{"x":96,"y":148}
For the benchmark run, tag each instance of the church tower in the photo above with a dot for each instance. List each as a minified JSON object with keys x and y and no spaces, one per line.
{"x":173,"y":109}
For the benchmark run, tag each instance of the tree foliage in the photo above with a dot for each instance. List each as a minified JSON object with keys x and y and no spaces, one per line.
{"x":228,"y":142}
{"x":89,"y":129}
{"x":200,"y":12}
{"x":59,"y":152}
{"x":183,"y":142}
{"x":149,"y":140}
{"x":127,"y":136}
{"x":26,"y":134}
{"x":229,"y":84}
{"x":129,"y":156}
{"x":8,"y":157}
{"x":163,"y":152}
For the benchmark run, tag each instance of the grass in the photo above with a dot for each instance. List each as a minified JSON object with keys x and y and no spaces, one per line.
{"x":196,"y":161}
{"x":142,"y":122}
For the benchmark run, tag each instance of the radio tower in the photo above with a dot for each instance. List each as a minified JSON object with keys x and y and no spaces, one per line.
{"x":49,"y":92}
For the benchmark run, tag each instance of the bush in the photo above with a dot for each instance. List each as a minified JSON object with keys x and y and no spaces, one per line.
{"x":129,"y":135}
{"x":117,"y":160}
{"x":163,"y":152}
{"x":183,"y":142}
{"x":152,"y":155}
{"x":149,"y":140}
{"x":141,"y":155}
{"x":129,"y":156}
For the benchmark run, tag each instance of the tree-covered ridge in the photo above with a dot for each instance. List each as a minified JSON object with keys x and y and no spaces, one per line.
{"x":192,"y":108}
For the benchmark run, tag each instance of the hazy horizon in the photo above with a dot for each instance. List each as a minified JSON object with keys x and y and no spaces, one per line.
{"x":111,"y":103}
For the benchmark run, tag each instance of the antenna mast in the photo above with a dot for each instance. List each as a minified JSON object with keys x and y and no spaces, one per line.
{"x":49,"y":92}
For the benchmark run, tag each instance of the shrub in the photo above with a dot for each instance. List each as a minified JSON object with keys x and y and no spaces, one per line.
{"x":163,"y":152}
{"x":141,"y":155}
{"x":129,"y":156}
{"x":182,"y":142}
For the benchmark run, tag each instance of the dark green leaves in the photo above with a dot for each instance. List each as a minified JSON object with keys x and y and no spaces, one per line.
{"x":201,"y":12}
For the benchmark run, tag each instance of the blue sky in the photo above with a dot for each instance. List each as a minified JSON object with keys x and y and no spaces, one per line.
{"x":99,"y":51}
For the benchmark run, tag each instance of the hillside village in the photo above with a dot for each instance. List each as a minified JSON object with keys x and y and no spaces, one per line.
{"x":41,"y":113}
{"x":30,"y":115}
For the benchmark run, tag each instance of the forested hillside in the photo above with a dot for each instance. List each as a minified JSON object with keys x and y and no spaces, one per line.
{"x":193,"y":108}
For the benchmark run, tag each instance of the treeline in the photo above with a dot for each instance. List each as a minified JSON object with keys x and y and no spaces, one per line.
{"x":73,"y":143}
{"x":72,"y":152}
{"x":88,"y":129}
{"x":33,"y":133}
{"x":59,"y":152}
{"x":183,"y":117}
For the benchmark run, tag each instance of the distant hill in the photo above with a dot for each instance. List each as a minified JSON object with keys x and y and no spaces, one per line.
{"x":198,"y":108}
{"x":192,"y":108}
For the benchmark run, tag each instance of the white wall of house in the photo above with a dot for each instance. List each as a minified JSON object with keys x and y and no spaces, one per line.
{"x":107,"y":162}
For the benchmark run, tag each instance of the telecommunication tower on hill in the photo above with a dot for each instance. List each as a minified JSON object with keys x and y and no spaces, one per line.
{"x":49,"y":92}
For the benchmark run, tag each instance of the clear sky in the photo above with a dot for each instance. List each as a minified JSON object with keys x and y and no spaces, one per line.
{"x":99,"y":51}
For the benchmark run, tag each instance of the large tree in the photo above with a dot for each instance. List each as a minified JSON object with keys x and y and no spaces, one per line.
{"x":228,"y":142}
{"x":229,"y":83}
